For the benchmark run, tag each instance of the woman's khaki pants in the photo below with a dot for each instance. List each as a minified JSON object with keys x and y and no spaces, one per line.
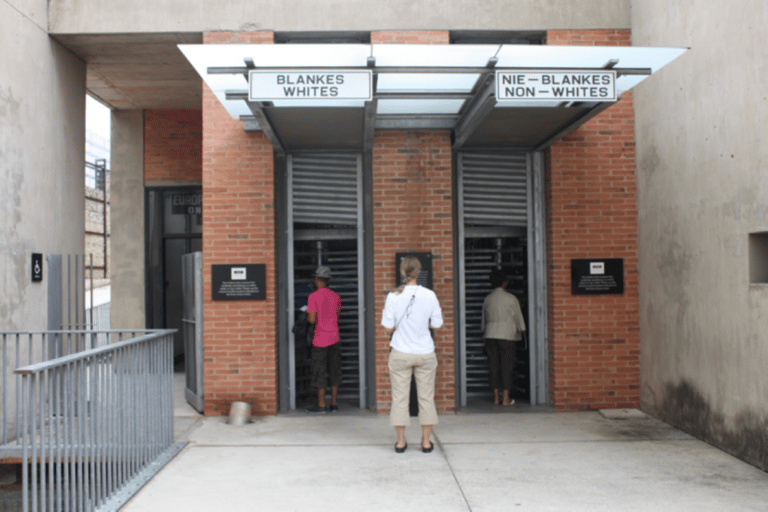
{"x":423,"y":367}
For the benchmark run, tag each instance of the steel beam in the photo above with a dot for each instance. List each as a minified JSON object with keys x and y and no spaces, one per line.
{"x":477,"y":110}
{"x":573,"y":125}
{"x":266,"y":126}
{"x":369,"y":124}
{"x":242,"y":70}
{"x":416,"y":122}
{"x":251,"y":125}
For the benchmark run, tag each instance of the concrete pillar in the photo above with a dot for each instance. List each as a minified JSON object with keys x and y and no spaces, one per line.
{"x":127,"y":221}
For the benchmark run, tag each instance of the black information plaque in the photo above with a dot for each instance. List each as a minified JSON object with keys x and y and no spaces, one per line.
{"x":597,"y":276}
{"x":425,"y":276}
{"x":238,"y":282}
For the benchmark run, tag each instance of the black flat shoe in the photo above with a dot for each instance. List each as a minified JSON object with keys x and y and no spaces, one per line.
{"x":428,"y":450}
{"x":401,"y":450}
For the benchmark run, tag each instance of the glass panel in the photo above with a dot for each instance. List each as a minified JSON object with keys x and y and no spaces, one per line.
{"x":306,"y":55}
{"x":387,"y":55}
{"x":433,"y":55}
{"x":531,"y":56}
{"x":426,"y":82}
{"x":420,"y":106}
{"x":180,"y":208}
{"x":625,"y":83}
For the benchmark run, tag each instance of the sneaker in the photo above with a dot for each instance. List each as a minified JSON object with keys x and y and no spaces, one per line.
{"x":315,"y":408}
{"x":333,"y":408}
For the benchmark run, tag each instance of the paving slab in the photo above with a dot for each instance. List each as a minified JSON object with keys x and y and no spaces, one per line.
{"x":481,"y":462}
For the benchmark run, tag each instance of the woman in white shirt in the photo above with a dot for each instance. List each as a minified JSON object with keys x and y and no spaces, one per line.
{"x":409,"y":312}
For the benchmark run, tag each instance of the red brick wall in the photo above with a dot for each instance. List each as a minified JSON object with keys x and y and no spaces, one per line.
{"x":592,"y":213}
{"x":412,"y":213}
{"x":238,"y":227}
{"x":173,"y":145}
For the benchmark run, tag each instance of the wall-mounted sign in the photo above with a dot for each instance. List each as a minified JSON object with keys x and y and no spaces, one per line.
{"x":309,"y":84}
{"x":425,"y":276}
{"x":597,"y":276}
{"x":187,"y":204}
{"x":37,"y":267}
{"x":238,"y":282}
{"x":557,"y":85}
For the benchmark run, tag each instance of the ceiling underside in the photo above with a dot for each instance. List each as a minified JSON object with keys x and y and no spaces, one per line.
{"x":138,"y":71}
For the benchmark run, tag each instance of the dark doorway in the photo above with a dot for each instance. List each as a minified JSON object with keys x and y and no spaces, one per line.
{"x":174,"y":221}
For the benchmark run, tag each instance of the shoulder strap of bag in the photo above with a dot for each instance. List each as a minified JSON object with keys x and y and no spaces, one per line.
{"x":410,"y":303}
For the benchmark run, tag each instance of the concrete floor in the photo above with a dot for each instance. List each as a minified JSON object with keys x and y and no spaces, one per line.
{"x":483,"y":461}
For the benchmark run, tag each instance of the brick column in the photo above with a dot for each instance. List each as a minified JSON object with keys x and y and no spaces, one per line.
{"x":238,"y":227}
{"x":412,"y":212}
{"x":592,"y":213}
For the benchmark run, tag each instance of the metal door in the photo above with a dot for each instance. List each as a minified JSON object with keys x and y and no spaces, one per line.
{"x":325,"y":228}
{"x":497,"y":228}
{"x":192,"y":327}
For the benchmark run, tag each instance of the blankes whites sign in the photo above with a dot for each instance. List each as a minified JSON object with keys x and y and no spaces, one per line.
{"x":307,"y":84}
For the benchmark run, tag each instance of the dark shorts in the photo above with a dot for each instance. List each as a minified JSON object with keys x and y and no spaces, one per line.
{"x":326,"y":366}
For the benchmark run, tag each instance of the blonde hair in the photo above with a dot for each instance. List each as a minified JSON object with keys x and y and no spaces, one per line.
{"x":410,"y":268}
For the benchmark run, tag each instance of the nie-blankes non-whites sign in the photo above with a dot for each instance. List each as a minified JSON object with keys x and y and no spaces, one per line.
{"x":557,"y":85}
{"x":309,"y":84}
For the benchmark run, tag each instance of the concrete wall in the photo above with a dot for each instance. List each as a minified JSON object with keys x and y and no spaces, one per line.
{"x":127,"y":221}
{"x":128,"y":16}
{"x":42,"y":154}
{"x":702,"y":188}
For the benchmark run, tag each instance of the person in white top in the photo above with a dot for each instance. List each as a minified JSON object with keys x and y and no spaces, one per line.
{"x":409,"y":312}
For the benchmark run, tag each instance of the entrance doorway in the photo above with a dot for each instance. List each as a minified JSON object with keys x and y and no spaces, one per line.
{"x":481,"y":256}
{"x":174,"y":228}
{"x":325,"y":228}
{"x":500,"y":225}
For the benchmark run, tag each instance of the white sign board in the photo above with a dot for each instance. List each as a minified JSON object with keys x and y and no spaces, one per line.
{"x":555,"y":85}
{"x":310,"y":84}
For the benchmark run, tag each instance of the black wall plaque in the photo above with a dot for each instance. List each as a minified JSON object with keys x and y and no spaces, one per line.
{"x":597,"y":276}
{"x":37,"y":267}
{"x":425,"y":276}
{"x":238,"y":282}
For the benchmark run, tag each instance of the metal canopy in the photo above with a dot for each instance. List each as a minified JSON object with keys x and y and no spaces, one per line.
{"x":419,"y":87}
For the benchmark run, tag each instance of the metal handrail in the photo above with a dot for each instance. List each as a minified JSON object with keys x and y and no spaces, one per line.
{"x":19,"y":348}
{"x":94,"y":420}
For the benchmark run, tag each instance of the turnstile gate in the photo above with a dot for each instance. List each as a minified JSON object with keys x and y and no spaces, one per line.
{"x":325,"y":228}
{"x":481,"y":255}
{"x":494,"y":214}
{"x":341,"y":257}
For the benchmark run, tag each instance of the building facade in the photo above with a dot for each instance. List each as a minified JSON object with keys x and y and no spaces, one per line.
{"x":602,"y":188}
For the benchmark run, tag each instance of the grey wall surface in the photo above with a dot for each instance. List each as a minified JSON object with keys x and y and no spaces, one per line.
{"x":127,"y":16}
{"x":127,"y":220}
{"x":42,"y":154}
{"x":703,"y":187}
